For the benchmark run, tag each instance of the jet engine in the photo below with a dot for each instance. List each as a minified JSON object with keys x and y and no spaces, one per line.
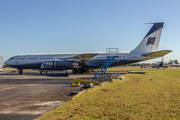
{"x":59,"y":64}
{"x":64,"y":64}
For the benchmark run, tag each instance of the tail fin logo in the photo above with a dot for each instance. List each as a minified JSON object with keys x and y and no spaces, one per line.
{"x":151,"y":40}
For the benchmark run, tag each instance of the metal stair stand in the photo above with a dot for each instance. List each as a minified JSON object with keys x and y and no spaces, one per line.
{"x":101,"y":73}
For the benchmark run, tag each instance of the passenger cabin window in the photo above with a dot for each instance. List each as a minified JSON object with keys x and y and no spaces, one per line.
{"x":46,"y":58}
{"x":32,"y":58}
{"x":22,"y":58}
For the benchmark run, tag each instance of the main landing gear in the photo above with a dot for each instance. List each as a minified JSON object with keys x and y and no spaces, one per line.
{"x":20,"y":72}
{"x":80,"y":71}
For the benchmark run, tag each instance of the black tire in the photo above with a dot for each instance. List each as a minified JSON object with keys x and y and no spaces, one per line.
{"x":80,"y":71}
{"x":86,"y":71}
{"x":20,"y":72}
{"x":74,"y":71}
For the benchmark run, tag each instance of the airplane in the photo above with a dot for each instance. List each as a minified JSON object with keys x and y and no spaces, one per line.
{"x":1,"y":63}
{"x":175,"y":65}
{"x":83,"y":62}
{"x":160,"y":64}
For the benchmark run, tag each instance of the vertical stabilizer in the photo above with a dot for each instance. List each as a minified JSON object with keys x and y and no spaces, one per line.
{"x":150,"y":43}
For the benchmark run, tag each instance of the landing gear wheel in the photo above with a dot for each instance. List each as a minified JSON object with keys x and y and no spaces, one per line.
{"x":80,"y":71}
{"x":74,"y":71}
{"x":86,"y":70}
{"x":20,"y":71}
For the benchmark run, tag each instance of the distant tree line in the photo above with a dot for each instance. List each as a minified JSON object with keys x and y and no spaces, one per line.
{"x":173,"y":61}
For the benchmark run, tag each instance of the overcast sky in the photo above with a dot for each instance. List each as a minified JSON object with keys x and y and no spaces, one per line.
{"x":60,"y":26}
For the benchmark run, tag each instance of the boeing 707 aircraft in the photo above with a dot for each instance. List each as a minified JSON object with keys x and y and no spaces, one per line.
{"x":82,"y":62}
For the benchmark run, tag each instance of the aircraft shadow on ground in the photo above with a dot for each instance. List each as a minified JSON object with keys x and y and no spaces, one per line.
{"x":56,"y":75}
{"x":35,"y":81}
{"x":48,"y":75}
{"x":136,"y":72}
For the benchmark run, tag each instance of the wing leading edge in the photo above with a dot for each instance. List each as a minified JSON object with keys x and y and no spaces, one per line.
{"x":84,"y":57}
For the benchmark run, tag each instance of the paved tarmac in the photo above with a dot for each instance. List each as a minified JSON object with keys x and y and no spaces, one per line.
{"x":27,"y":96}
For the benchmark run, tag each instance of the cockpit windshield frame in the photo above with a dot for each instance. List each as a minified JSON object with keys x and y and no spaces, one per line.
{"x":11,"y":58}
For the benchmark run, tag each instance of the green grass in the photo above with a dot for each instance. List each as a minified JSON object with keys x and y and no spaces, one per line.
{"x":153,"y":95}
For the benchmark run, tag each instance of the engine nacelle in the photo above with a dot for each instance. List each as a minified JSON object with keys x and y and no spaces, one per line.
{"x":59,"y":64}
{"x":45,"y":66}
{"x":64,"y":64}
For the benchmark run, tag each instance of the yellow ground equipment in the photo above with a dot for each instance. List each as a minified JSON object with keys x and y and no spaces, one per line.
{"x":84,"y":81}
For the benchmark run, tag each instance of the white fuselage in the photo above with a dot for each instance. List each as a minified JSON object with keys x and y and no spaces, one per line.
{"x":34,"y":61}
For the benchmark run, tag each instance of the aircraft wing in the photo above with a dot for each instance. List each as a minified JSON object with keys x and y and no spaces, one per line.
{"x":158,"y":53}
{"x":84,"y":57}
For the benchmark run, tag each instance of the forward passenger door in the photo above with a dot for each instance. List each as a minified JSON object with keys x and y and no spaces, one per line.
{"x":17,"y":59}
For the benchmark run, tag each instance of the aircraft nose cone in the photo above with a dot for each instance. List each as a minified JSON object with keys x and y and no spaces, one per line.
{"x":6,"y":62}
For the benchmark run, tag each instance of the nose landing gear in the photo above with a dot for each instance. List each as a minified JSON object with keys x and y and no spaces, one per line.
{"x":20,"y":72}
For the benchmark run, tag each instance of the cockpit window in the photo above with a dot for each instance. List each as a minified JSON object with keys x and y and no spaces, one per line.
{"x":11,"y":58}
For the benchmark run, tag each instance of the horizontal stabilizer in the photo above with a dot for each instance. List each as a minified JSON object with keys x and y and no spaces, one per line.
{"x":158,"y":53}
